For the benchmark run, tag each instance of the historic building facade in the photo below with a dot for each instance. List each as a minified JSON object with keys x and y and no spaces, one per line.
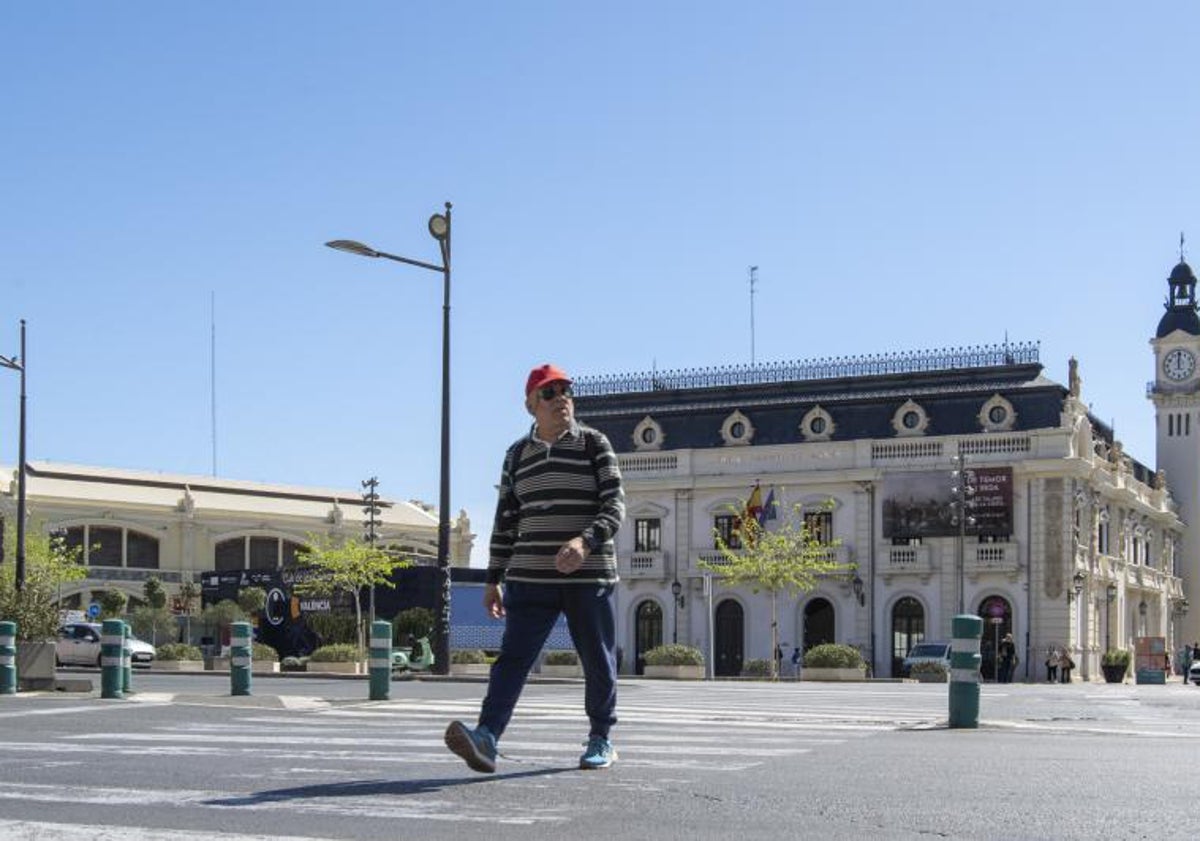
{"x":958,"y":481}
{"x":132,"y":525}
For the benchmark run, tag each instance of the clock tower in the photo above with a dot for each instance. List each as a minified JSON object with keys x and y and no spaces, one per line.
{"x":1176,"y":395}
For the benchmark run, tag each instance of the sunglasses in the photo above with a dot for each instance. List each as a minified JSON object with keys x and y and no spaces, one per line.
{"x":549,"y":392}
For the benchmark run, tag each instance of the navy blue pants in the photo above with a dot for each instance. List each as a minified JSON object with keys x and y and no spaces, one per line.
{"x":531,"y":611}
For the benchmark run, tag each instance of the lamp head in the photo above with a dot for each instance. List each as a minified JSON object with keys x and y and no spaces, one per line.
{"x":439,"y":227}
{"x":676,"y":588}
{"x":352,"y":247}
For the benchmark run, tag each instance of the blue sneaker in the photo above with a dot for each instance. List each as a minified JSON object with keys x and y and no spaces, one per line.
{"x":598,"y":753}
{"x":477,"y":747}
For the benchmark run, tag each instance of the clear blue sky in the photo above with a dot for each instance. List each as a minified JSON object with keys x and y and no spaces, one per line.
{"x":905,"y":176}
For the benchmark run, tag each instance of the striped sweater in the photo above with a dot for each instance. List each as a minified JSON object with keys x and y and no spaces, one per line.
{"x":549,"y":495}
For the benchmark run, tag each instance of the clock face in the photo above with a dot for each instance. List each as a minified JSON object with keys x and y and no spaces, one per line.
{"x":1178,"y":364}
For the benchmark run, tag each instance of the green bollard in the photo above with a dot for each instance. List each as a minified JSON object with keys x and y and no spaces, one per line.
{"x":127,"y":659}
{"x":112,"y":641}
{"x":240,"y":653}
{"x":964,"y":671}
{"x":8,"y":658}
{"x":380,"y":660}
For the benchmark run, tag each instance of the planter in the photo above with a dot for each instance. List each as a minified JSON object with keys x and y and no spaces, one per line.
{"x":346,"y":667}
{"x":816,"y":674}
{"x":471,"y":669}
{"x":35,"y":665}
{"x":573,"y":670}
{"x":219,"y":664}
{"x":259,"y":667}
{"x":177,"y":666}
{"x":929,"y":677}
{"x":675,"y":672}
{"x":1114,"y":674}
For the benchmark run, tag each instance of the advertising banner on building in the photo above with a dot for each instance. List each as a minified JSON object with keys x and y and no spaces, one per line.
{"x":920,"y":504}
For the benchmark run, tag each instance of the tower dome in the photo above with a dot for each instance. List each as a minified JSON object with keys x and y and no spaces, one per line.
{"x":1181,"y":303}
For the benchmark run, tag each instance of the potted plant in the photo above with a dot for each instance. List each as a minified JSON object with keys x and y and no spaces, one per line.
{"x":678,"y":662}
{"x":340,"y":658}
{"x":561,"y":664}
{"x":1114,"y":664}
{"x":833,"y":661}
{"x":263,"y":659}
{"x":756,"y":668}
{"x":469,"y":661}
{"x":928,"y":671}
{"x":34,"y":609}
{"x":178,"y":657}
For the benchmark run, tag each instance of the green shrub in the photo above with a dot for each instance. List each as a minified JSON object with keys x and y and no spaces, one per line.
{"x":263,"y":653}
{"x":833,"y":655}
{"x":1116,"y":657}
{"x":561,"y":658}
{"x":756,"y":668}
{"x":333,"y":628}
{"x":467,"y":655}
{"x":674,"y":655}
{"x":337,"y":653}
{"x":178,"y":651}
{"x":417,"y":621}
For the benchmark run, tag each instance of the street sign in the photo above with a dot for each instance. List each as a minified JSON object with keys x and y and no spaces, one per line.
{"x":94,"y":609}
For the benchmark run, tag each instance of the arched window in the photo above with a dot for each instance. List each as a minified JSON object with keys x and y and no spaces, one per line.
{"x":648,"y":632}
{"x":113,"y":546}
{"x":908,"y":629}
{"x":818,"y":623}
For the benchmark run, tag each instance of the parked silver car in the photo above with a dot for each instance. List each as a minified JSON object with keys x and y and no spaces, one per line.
{"x":78,"y":644}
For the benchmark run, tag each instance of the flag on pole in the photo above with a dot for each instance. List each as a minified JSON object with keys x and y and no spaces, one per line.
{"x":767,"y":512}
{"x":754,"y":505}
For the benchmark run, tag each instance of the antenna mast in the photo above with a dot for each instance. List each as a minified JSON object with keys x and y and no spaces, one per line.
{"x":213,"y":374}
{"x":753,"y":280}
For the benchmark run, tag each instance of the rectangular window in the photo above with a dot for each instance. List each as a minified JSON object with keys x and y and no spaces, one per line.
{"x":819,"y":525}
{"x":104,"y":546}
{"x":1102,"y":537}
{"x":647,"y":535}
{"x":726,"y":526}
{"x":906,"y":541}
{"x":264,"y":552}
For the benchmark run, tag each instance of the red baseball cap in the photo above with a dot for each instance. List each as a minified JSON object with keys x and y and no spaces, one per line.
{"x":544,"y":375}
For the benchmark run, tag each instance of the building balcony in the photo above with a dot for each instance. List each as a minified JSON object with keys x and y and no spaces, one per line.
{"x":905,"y":560}
{"x":980,"y":558}
{"x":643,"y":565}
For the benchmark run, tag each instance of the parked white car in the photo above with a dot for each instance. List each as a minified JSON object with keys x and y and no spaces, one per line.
{"x":78,"y":644}
{"x":927,"y":652}
{"x":1194,"y":673}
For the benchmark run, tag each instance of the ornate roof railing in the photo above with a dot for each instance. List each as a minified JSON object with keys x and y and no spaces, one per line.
{"x":902,"y":362}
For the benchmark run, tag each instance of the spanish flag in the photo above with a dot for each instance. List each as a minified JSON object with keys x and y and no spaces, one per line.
{"x":754,"y":505}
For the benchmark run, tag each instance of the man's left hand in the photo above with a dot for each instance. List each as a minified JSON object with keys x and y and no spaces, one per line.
{"x":571,"y":556}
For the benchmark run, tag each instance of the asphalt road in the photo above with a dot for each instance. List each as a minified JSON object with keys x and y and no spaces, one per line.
{"x":311,"y":758}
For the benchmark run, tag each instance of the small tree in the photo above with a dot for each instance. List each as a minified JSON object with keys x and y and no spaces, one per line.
{"x":416,"y":621}
{"x":252,"y":600}
{"x":112,"y":604}
{"x":155,"y":595}
{"x":222,"y":614}
{"x":188,"y":593}
{"x":150,"y":623}
{"x":790,"y":559}
{"x":345,"y":566}
{"x":49,"y":563}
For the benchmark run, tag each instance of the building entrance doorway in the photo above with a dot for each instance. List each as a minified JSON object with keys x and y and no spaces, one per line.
{"x":729,"y":639}
{"x":908,"y":629}
{"x":648,"y":632}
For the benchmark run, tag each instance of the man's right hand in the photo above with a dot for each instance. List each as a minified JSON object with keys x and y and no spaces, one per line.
{"x":493,"y":600}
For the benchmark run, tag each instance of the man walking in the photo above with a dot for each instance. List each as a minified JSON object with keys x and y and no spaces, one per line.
{"x":551,"y":553}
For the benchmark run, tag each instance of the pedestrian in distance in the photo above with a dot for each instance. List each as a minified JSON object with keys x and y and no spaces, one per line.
{"x":1065,"y":666}
{"x":797,"y":658}
{"x":1052,"y":657}
{"x":1008,"y":659}
{"x":551,"y":554}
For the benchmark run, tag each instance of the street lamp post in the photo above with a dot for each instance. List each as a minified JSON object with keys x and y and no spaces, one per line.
{"x":677,"y":592}
{"x":1110,"y":593}
{"x":961,"y":507}
{"x":439,"y":229}
{"x":18,"y":363}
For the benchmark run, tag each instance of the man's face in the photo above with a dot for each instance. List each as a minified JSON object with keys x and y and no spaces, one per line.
{"x":552,"y":406}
